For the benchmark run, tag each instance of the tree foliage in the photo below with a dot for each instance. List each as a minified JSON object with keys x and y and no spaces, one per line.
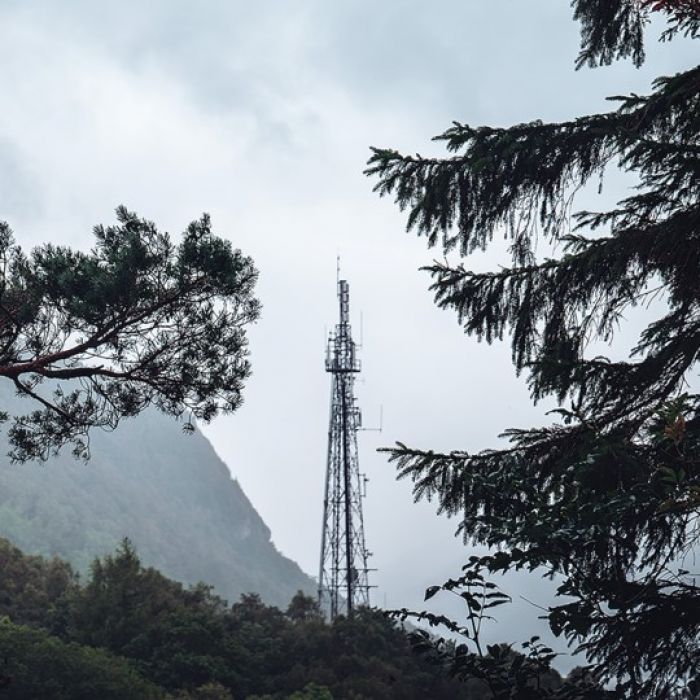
{"x":608,"y":498}
{"x":137,"y":321}
{"x":131,"y":624}
{"x":37,"y":665}
{"x":34,"y":590}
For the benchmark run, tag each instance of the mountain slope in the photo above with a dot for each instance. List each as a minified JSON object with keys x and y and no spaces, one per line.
{"x":167,"y":491}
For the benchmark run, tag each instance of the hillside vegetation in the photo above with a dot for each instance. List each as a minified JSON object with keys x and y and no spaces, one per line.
{"x":130,"y":632}
{"x":167,"y":491}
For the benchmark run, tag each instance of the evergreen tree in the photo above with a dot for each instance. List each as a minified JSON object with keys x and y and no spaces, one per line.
{"x":303,"y":608}
{"x":608,"y":498}
{"x":137,"y":321}
{"x":34,"y":591}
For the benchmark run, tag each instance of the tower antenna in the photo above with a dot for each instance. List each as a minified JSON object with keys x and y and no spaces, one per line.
{"x":343,"y":574}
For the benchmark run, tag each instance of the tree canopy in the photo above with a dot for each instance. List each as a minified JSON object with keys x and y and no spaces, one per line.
{"x":128,"y":629}
{"x":607,"y":499}
{"x":94,"y":337}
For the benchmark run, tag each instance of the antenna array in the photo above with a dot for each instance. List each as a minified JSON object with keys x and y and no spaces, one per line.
{"x":343,"y":573}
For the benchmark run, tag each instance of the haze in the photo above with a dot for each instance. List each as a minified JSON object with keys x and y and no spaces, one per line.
{"x":262,"y":115}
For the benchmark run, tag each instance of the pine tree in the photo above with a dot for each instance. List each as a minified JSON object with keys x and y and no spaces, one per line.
{"x":607,"y":499}
{"x":94,"y":337}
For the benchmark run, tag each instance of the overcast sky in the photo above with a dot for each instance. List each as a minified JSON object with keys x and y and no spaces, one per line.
{"x":262,"y":114}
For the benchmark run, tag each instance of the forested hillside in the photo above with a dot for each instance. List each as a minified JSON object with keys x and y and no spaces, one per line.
{"x":165,"y":490}
{"x":130,"y":632}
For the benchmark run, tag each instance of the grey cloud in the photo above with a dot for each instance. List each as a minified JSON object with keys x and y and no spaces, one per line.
{"x":19,"y":191}
{"x":461,"y":60}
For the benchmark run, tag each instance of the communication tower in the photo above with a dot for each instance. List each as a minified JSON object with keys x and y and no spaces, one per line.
{"x":343,"y":575}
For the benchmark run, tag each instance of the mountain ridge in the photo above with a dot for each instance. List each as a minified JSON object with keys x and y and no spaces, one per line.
{"x":168,"y":492}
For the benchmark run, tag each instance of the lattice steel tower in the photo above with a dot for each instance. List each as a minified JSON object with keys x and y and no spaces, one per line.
{"x":342,"y":580}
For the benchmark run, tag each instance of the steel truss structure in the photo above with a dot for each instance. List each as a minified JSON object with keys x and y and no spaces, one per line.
{"x":343,"y":573}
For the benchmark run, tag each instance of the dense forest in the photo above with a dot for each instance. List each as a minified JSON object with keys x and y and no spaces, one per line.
{"x":127,"y":631}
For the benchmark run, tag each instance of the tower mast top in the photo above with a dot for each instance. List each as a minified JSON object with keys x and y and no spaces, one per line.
{"x":343,"y":567}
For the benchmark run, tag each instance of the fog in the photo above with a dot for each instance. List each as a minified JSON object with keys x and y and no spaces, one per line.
{"x":262,"y":115}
